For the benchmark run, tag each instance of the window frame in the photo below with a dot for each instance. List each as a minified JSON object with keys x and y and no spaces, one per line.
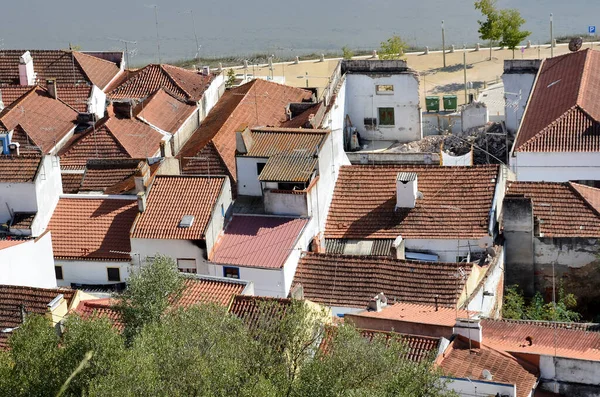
{"x":380,"y":120}
{"x":384,"y":92}
{"x":62,"y":274}
{"x":118,"y":269}
{"x":188,"y":259}
{"x":260,"y":167}
{"x":235,"y":268}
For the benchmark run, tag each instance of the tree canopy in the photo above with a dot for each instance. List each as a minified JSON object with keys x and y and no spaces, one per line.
{"x":515,"y":306}
{"x":512,"y":35}
{"x":491,"y":28}
{"x":392,"y":48}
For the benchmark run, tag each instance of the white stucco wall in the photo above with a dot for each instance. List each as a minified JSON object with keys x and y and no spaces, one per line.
{"x":488,"y":305}
{"x":211,"y":95}
{"x":48,"y":188}
{"x":218,"y":216}
{"x":570,"y":370}
{"x":186,"y":130}
{"x":97,"y":102}
{"x":474,"y":387}
{"x":293,"y":204}
{"x":517,"y":87}
{"x":556,"y":166}
{"x":248,"y":183}
{"x":267,"y":282}
{"x":446,"y":249}
{"x":89,"y":272}
{"x":29,"y":264}
{"x":174,"y":249}
{"x":363,"y":101}
{"x":20,"y":197}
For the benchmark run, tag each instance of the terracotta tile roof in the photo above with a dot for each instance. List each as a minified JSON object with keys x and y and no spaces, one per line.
{"x":351,"y":281}
{"x":460,"y":362}
{"x":560,"y":209}
{"x":26,"y":144}
{"x":417,"y":313}
{"x":589,"y":194}
{"x":257,"y":103}
{"x":46,"y":120}
{"x":252,"y":308}
{"x":572,"y":340}
{"x":165,"y":111}
{"x":22,"y":220}
{"x":99,"y":71}
{"x":34,"y":300}
{"x":197,"y":290}
{"x":76,"y":96}
{"x":19,"y":169}
{"x":138,"y":138}
{"x":92,"y":228}
{"x":456,"y":202}
{"x":258,"y":241}
{"x":207,"y":162}
{"x":101,"y":175}
{"x":71,"y":182}
{"x":172,"y":197}
{"x":304,"y":119}
{"x":10,"y":243}
{"x":11,"y":93}
{"x":563,"y":114}
{"x":186,"y":84}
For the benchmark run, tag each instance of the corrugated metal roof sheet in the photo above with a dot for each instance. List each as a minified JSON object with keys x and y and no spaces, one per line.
{"x":289,"y":167}
{"x":269,"y":142}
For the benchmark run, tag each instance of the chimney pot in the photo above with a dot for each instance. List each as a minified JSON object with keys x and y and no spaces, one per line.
{"x":406,"y":190}
{"x":51,"y":87}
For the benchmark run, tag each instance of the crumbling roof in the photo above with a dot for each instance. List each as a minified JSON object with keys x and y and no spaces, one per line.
{"x":34,"y":301}
{"x":563,"y":114}
{"x":351,"y":281}
{"x":101,"y":175}
{"x":92,"y":228}
{"x":165,"y":111}
{"x":172,"y":197}
{"x":462,"y":362}
{"x":307,"y":119}
{"x":258,"y":241}
{"x":560,"y":208}
{"x":22,"y":220}
{"x":455,"y":203}
{"x":19,"y":169}
{"x":46,"y":120}
{"x":417,"y":313}
{"x":257,"y":103}
{"x":184,"y":83}
{"x":571,"y":340}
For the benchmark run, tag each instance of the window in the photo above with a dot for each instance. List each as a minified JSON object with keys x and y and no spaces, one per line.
{"x":222,"y":210}
{"x":384,"y":89}
{"x":259,"y":167}
{"x":386,"y":116}
{"x":231,"y":272}
{"x":58,"y":272}
{"x":186,"y":265}
{"x":114,"y":274}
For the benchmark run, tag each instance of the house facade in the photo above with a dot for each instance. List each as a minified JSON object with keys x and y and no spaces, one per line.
{"x":28,"y":262}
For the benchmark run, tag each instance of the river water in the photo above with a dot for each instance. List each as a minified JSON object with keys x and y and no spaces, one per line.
{"x":283,"y":28}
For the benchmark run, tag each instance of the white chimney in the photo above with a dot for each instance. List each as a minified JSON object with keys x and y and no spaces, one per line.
{"x":398,"y":248}
{"x":469,"y":328}
{"x":51,"y":87}
{"x":378,"y":302}
{"x":406,"y":190}
{"x":141,"y":199}
{"x":26,"y":73}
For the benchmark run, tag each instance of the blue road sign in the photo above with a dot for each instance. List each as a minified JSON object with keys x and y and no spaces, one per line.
{"x":592,"y":29}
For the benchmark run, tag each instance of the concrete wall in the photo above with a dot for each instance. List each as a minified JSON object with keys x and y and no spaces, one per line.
{"x":248,"y":183}
{"x":446,"y":249}
{"x":186,"y":130}
{"x":570,"y":377}
{"x":285,"y":203}
{"x":474,"y":115}
{"x":393,"y":158}
{"x":362,"y":102}
{"x":381,"y":324}
{"x":487,"y":300}
{"x":89,"y":272}
{"x":20,"y":197}
{"x":474,"y":387}
{"x":211,"y":95}
{"x":518,"y":78}
{"x":518,"y":234}
{"x":29,"y":264}
{"x":437,"y":123}
{"x":48,"y":188}
{"x":556,"y":166}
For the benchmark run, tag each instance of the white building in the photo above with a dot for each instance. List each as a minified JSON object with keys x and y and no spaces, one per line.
{"x":518,"y":78}
{"x":90,"y":239}
{"x":557,"y":140}
{"x":181,"y":218}
{"x":27,"y":262}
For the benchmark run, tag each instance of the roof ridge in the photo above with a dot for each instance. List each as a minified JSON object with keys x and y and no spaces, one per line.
{"x":162,"y":67}
{"x":584,"y":78}
{"x":585,"y":201}
{"x":13,"y":105}
{"x":111,"y":132}
{"x":547,"y":128}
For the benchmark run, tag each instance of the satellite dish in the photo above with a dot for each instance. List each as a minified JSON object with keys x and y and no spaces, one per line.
{"x":575,"y":44}
{"x":487,"y":375}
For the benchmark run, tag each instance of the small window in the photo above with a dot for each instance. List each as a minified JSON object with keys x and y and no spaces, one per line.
{"x":114,"y":274}
{"x":222,"y":210}
{"x":386,"y":116}
{"x":186,"y":265}
{"x":231,"y":272}
{"x":384,"y":89}
{"x":259,"y":167}
{"x":58,"y":272}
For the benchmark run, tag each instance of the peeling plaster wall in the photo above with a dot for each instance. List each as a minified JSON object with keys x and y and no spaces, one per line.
{"x":570,"y":377}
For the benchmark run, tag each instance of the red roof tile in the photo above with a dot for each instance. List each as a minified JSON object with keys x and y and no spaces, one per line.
{"x":417,"y":313}
{"x":76,"y":96}
{"x":26,"y":144}
{"x":258,"y":241}
{"x":46,"y":120}
{"x":206,"y":162}
{"x":10,"y":243}
{"x":252,"y":308}
{"x":104,"y":174}
{"x":138,"y":138}
{"x":571,"y":340}
{"x":71,"y":182}
{"x":99,"y":71}
{"x":172,"y":197}
{"x":186,"y":84}
{"x":22,"y":220}
{"x":461,"y":362}
{"x":456,"y":202}
{"x":351,"y":281}
{"x":92,"y":228}
{"x":305,"y":119}
{"x":563,"y":114}
{"x":589,"y":194}
{"x":34,"y":300}
{"x":561,"y":210}
{"x":11,"y":93}
{"x":19,"y":169}
{"x":257,"y":103}
{"x":165,"y":111}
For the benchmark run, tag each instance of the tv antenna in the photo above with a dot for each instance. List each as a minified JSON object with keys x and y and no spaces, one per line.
{"x":126,"y":43}
{"x":157,"y":35}
{"x":191,"y":12}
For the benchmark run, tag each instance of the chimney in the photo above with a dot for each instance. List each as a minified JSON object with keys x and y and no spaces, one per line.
{"x":141,"y":179}
{"x":469,"y":328}
{"x":26,"y":73}
{"x":243,"y":140}
{"x":406,"y":190}
{"x":141,"y":199}
{"x":51,"y":87}
{"x":398,"y":248}
{"x":378,"y":302}
{"x":205,"y":70}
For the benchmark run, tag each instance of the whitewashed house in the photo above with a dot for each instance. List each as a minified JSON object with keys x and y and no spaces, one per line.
{"x":518,"y":78}
{"x":27,"y":262}
{"x":181,"y":218}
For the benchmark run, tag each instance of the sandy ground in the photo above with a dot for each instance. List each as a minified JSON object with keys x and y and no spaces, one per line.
{"x":435,"y":79}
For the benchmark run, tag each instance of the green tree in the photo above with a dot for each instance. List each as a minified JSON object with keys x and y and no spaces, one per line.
{"x":511,"y":22}
{"x":514,"y":303}
{"x":491,"y":28}
{"x":515,"y":307}
{"x":150,"y":291}
{"x":392,"y":48}
{"x":230,"y":78}
{"x":347,"y":53}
